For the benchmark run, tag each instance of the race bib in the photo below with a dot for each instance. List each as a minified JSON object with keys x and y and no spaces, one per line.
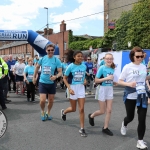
{"x":90,"y":71}
{"x":30,"y":76}
{"x":78,"y":77}
{"x":47,"y":70}
{"x":109,"y":82}
{"x":140,"y":88}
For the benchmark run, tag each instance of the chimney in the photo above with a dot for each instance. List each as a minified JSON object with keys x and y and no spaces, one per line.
{"x":62,"y":26}
{"x":50,"y":31}
{"x":45,"y":31}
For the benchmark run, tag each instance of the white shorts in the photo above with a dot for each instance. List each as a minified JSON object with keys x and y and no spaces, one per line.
{"x":79,"y":90}
{"x":104,"y":93}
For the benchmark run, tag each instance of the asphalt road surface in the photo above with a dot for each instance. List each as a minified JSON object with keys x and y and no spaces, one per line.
{"x":27,"y":132}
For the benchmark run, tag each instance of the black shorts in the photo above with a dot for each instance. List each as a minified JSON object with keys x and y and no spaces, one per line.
{"x":19,"y":78}
{"x":47,"y":88}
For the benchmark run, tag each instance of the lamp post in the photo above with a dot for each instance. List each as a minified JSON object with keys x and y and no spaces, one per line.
{"x":47,"y":20}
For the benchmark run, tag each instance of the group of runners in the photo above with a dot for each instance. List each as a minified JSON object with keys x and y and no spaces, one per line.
{"x":76,"y":73}
{"x":133,"y":77}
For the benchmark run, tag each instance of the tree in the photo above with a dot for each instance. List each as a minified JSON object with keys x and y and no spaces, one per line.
{"x":133,"y":26}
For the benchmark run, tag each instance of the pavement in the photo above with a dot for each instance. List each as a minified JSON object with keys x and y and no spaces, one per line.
{"x":27,"y":132}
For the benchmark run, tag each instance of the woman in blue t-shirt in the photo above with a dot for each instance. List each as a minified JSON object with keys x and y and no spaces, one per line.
{"x":76,"y":74}
{"x":104,"y":92}
{"x":28,"y":78}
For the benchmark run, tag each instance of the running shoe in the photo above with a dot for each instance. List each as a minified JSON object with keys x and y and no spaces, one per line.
{"x":28,"y":99}
{"x":43,"y":116}
{"x":86,"y":93}
{"x":91,"y":120}
{"x":33,"y":101}
{"x":123,"y":129}
{"x":48,"y":117}
{"x":141,"y":144}
{"x":107,"y":131}
{"x":63,"y":116}
{"x":82,"y":133}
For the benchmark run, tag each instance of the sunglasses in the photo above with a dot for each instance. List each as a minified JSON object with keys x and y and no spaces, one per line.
{"x":139,"y":56}
{"x":50,"y":50}
{"x":88,"y":59}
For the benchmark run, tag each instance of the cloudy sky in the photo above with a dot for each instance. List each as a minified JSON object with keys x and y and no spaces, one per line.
{"x":30,"y":14}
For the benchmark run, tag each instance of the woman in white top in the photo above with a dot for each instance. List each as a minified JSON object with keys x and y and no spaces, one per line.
{"x":18,"y":72}
{"x":133,"y":77}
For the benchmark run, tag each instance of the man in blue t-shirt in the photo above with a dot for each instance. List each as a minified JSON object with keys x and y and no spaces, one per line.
{"x":11,"y":64}
{"x":49,"y":64}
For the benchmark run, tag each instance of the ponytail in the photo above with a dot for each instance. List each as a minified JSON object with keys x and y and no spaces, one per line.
{"x":113,"y":66}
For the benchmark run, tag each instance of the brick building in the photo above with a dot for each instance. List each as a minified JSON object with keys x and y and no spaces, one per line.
{"x":114,"y":8}
{"x":23,"y":48}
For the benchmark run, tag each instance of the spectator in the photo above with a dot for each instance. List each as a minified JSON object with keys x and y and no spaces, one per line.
{"x":3,"y":73}
{"x":11,"y":64}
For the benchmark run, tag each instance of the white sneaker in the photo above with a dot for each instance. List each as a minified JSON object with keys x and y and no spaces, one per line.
{"x":123,"y":129}
{"x":141,"y":144}
{"x":46,"y":100}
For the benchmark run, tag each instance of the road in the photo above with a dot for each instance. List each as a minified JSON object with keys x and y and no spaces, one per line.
{"x":27,"y":132}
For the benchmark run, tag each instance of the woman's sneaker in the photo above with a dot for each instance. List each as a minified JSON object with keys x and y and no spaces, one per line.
{"x":123,"y":129}
{"x":63,"y":116}
{"x":82,"y":133}
{"x":91,"y":120}
{"x":107,"y":131}
{"x":43,"y":116}
{"x":48,"y":117}
{"x":141,"y":144}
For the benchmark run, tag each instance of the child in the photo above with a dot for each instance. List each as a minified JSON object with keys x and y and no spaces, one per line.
{"x":104,"y":92}
{"x":76,"y":72}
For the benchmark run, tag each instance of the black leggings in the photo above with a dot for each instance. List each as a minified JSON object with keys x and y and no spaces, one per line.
{"x":130,"y":110}
{"x":31,"y":91}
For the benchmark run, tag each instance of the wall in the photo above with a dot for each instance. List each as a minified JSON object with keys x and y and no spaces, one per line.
{"x":115,"y":14}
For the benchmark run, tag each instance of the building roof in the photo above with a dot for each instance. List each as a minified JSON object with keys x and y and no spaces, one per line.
{"x":14,"y":43}
{"x":88,"y":36}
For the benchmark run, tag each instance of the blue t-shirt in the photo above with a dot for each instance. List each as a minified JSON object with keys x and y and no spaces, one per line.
{"x":29,"y":71}
{"x":102,"y":63}
{"x":35,"y":60}
{"x":105,"y":71}
{"x":143,"y":62}
{"x":76,"y":73}
{"x":89,"y":67}
{"x":11,"y":64}
{"x":48,"y":66}
{"x":64,"y":67}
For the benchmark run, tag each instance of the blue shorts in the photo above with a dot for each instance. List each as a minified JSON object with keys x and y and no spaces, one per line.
{"x":47,"y":88}
{"x":19,"y":78}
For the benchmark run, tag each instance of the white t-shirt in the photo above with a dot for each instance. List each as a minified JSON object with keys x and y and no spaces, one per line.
{"x":131,"y":73}
{"x":19,"y":68}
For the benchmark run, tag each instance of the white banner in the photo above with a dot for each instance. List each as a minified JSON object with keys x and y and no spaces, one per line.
{"x":6,"y":35}
{"x":40,"y":41}
{"x":117,"y":61}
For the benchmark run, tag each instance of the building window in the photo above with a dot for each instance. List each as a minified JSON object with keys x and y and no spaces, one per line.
{"x":65,"y":46}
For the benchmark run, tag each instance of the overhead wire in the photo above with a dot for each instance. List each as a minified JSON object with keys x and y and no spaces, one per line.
{"x":92,"y":14}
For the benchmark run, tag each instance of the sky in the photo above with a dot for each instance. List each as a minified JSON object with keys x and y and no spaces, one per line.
{"x":31,"y":15}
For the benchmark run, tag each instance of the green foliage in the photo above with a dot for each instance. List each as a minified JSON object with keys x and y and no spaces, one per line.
{"x":133,"y":26}
{"x":85,"y":44}
{"x":70,"y":37}
{"x":78,"y":38}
